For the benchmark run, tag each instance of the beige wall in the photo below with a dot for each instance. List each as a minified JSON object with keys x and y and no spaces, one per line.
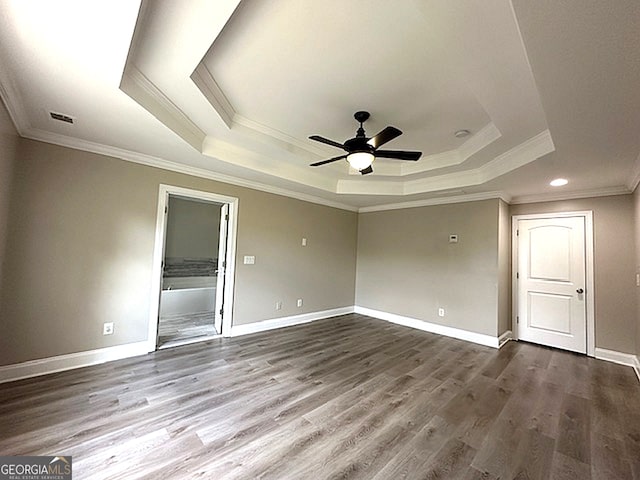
{"x":407,"y":266}
{"x":81,"y":245}
{"x":8,"y":151}
{"x":614,"y":269}
{"x":193,"y":229}
{"x":636,"y":213}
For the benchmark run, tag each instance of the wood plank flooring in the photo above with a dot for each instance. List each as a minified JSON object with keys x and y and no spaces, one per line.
{"x":342,"y":398}
{"x":187,"y":326}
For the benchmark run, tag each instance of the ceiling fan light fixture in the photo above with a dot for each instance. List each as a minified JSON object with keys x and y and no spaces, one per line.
{"x":360,"y":160}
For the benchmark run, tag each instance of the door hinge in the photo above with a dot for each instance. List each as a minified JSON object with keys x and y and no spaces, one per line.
{"x":224,"y":264}
{"x":517,"y":274}
{"x":166,"y":209}
{"x":517,"y":232}
{"x":517,"y":320}
{"x":226,"y":217}
{"x":221,"y":312}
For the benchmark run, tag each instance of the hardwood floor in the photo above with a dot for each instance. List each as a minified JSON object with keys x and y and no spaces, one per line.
{"x":348,"y":397}
{"x":190,"y":326}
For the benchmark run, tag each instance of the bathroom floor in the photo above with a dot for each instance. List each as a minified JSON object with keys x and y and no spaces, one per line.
{"x":185,"y":327}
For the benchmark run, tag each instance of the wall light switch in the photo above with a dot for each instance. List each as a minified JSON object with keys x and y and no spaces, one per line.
{"x":249,"y":259}
{"x":299,"y":302}
{"x":304,"y":242}
{"x":637,"y":279}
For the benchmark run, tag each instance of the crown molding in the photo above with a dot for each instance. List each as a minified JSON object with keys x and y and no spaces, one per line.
{"x":251,"y":160}
{"x":554,"y":197}
{"x":151,"y":161}
{"x":483,"y":138}
{"x":634,"y":180}
{"x":470,"y":197}
{"x":518,"y":156}
{"x":13,"y":101}
{"x":142,"y":90}
{"x":205,"y":82}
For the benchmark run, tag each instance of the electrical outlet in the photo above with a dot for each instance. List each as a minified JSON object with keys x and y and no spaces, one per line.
{"x":299,"y":302}
{"x":278,"y":305}
{"x":441,"y":312}
{"x":107,"y":328}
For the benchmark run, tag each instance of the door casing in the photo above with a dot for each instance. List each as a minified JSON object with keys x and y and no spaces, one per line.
{"x":589,"y":279}
{"x":158,"y":254}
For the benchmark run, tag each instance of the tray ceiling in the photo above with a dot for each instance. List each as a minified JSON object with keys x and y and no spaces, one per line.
{"x":232,"y":90}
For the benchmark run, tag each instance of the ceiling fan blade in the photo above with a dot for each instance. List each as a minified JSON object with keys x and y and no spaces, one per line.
{"x":367,"y":170}
{"x":323,"y":162}
{"x":398,"y":155}
{"x":320,"y":139}
{"x":384,"y":136}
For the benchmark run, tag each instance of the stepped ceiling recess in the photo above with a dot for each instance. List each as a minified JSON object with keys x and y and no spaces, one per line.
{"x":231,"y":90}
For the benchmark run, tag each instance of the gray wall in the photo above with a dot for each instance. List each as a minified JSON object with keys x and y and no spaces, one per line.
{"x":636,"y":213}
{"x":407,"y":266}
{"x":193,"y":229}
{"x":8,"y":151}
{"x":82,"y":239}
{"x":614,"y":269}
{"x":504,"y":268}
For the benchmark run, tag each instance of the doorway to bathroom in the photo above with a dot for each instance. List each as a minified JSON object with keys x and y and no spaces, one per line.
{"x":195,"y":248}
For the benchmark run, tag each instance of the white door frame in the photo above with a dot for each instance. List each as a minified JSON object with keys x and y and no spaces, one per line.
{"x":158,"y":252}
{"x":589,"y":287}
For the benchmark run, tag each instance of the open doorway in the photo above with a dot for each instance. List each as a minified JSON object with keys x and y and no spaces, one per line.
{"x":195,"y":247}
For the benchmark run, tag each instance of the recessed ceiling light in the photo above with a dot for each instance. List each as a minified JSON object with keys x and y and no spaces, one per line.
{"x":558,"y":182}
{"x":461,"y":133}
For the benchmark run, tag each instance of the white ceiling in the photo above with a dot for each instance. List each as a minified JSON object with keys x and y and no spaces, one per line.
{"x":232,"y":89}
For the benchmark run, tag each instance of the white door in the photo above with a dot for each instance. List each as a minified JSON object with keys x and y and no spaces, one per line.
{"x":551,"y":282}
{"x":222,"y":267}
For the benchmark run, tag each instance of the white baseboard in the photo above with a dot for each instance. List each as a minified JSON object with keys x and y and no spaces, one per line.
{"x":480,"y":338}
{"x":34,"y":368}
{"x":256,"y":327}
{"x":628,"y":359}
{"x":504,"y":338}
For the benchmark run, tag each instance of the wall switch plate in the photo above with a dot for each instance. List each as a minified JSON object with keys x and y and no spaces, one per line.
{"x":637,"y":279}
{"x":441,"y":312}
{"x":278,"y":305}
{"x":304,"y":242}
{"x":107,"y":328}
{"x":249,"y":259}
{"x":299,"y":302}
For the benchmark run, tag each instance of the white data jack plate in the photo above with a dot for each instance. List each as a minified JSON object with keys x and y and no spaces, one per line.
{"x":249,"y":259}
{"x":107,"y":328}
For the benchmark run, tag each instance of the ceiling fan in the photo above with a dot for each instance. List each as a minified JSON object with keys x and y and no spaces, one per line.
{"x":362,"y":150}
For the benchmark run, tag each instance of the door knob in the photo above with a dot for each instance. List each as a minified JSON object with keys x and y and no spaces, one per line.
{"x":580,"y":290}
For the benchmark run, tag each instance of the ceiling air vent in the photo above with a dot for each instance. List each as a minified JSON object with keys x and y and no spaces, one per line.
{"x":61,"y":117}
